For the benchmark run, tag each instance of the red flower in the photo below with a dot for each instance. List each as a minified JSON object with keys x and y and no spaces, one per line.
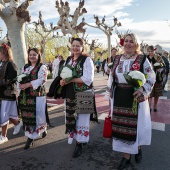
{"x":71,"y":135}
{"x":32,"y":93}
{"x":86,"y":133}
{"x":135,"y":66}
{"x":29,"y":114}
{"x":121,"y":41}
{"x":29,"y":101}
{"x":80,"y":84}
{"x":80,"y":131}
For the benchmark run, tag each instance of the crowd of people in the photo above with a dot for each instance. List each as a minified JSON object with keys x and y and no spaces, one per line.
{"x":129,"y":127}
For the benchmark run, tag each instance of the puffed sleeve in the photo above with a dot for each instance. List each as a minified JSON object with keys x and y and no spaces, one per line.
{"x":151,"y":78}
{"x":88,"y":71}
{"x":42,"y":77}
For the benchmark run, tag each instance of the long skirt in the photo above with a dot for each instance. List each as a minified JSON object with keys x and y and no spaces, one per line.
{"x":41,"y":124}
{"x":8,"y":109}
{"x":143,"y":130}
{"x":157,"y":90}
{"x":81,"y":134}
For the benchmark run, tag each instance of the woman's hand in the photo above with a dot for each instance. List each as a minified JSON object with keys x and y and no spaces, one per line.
{"x":24,"y":86}
{"x":138,"y":92}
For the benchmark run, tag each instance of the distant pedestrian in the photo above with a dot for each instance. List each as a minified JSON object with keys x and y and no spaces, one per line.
{"x":157,"y":89}
{"x":98,"y":65}
{"x":61,"y":59}
{"x":55,"y":67}
{"x":166,"y":61}
{"x":50,"y":67}
{"x":103,"y":66}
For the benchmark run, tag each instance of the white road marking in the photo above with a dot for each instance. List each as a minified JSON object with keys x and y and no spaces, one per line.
{"x":158,"y":126}
{"x":162,"y":97}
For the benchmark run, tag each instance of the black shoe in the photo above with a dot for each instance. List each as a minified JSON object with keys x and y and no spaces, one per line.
{"x":28,"y":143}
{"x":44,"y":134}
{"x":77,"y":151}
{"x":155,"y":110}
{"x":124,"y":163}
{"x":138,"y":157}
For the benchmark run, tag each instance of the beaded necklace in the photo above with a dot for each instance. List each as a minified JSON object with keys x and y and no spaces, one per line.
{"x":127,"y":56}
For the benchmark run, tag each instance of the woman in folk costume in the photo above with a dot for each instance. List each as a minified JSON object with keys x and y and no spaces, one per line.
{"x":32,"y":99}
{"x":8,"y":104}
{"x":158,"y":86}
{"x":130,"y":130}
{"x":77,"y":122}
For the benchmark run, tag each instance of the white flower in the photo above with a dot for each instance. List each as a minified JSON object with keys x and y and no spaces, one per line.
{"x":66,"y":73}
{"x":137,"y":75}
{"x":19,"y":77}
{"x":157,"y":64}
{"x":110,"y":64}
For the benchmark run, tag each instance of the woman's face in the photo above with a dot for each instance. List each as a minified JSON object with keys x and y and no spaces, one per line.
{"x":151,"y":52}
{"x":114,"y":52}
{"x":76,"y":47}
{"x":33,"y":57}
{"x":2,"y":56}
{"x":129,"y":45}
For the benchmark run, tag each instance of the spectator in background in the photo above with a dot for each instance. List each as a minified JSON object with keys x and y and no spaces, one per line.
{"x":113,"y":53}
{"x":55,"y":67}
{"x":157,"y":89}
{"x":61,"y":59}
{"x":98,"y":65}
{"x":103,"y":66}
{"x":166,"y":61}
{"x":50,"y":67}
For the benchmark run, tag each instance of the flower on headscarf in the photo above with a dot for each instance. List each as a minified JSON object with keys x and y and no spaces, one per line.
{"x":121,"y":41}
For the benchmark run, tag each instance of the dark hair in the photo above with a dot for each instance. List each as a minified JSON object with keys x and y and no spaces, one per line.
{"x":82,"y":43}
{"x":60,"y":56}
{"x":6,"y":50}
{"x":151,"y":47}
{"x":39,"y":55}
{"x":114,"y":48}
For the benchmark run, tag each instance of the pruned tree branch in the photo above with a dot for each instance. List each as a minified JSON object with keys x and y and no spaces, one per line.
{"x":67,"y":26}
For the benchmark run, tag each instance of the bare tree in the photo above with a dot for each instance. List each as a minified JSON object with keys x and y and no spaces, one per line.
{"x":15,"y":16}
{"x":71,"y":26}
{"x":101,"y":54}
{"x":45,"y":33}
{"x":100,"y":24}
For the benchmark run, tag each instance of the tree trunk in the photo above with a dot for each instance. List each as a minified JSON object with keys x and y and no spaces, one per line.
{"x":18,"y":46}
{"x":109,"y":45}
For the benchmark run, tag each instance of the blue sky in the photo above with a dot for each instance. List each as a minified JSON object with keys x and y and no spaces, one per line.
{"x":145,"y":18}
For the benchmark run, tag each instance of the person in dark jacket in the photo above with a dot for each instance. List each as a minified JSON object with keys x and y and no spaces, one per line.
{"x":61,"y":59}
{"x":165,"y":58}
{"x":8,"y":104}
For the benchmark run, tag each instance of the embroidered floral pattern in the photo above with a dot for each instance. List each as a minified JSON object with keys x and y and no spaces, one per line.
{"x":82,"y":131}
{"x":135,"y":66}
{"x":120,"y":67}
